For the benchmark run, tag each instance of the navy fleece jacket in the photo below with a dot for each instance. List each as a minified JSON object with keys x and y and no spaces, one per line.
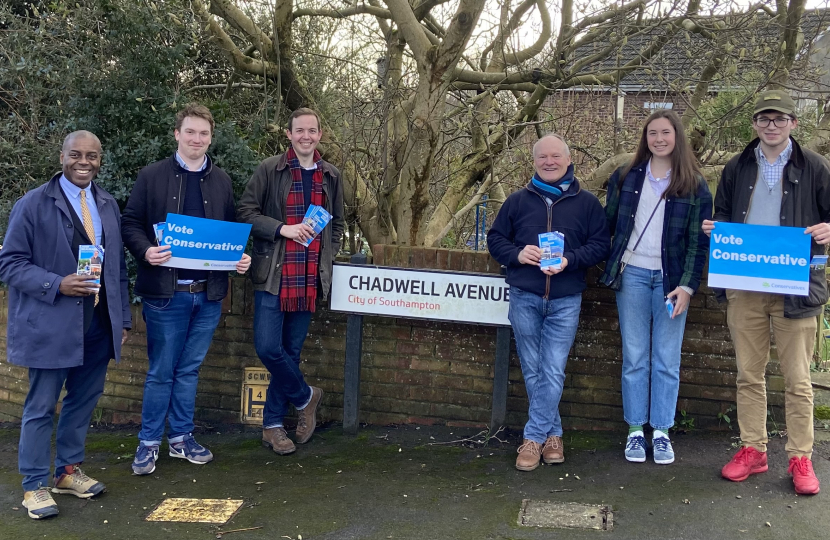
{"x":578,"y":215}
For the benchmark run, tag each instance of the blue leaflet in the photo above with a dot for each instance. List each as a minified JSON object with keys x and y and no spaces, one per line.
{"x":90,"y":262}
{"x":317,"y":218}
{"x":158,"y":228}
{"x":552,"y":245}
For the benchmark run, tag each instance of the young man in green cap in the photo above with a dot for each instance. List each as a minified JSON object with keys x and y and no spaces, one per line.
{"x":776,"y":182}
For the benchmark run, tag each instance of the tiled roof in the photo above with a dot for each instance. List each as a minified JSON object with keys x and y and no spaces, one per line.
{"x":681,"y":60}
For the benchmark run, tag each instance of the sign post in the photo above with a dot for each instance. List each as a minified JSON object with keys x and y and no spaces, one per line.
{"x":358,"y":289}
{"x":351,"y":369}
{"x":501,"y":369}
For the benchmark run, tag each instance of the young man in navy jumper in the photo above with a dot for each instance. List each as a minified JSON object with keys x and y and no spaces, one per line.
{"x":181,"y":307}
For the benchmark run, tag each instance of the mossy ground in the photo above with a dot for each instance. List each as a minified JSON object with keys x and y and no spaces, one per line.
{"x":822,"y":412}
{"x":400,"y":483}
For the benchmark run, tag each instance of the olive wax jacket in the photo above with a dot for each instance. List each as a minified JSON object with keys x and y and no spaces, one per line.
{"x":805,"y":202}
{"x":263,"y":205}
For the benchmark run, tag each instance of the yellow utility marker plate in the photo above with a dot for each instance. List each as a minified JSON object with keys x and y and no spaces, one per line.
{"x":195,"y":510}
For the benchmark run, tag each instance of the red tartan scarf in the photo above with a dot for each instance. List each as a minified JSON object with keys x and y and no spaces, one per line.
{"x":298,"y":287}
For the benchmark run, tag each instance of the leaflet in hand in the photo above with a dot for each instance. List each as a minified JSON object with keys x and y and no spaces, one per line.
{"x":552,"y":245}
{"x":90,"y":262}
{"x":317,"y":218}
{"x":159,"y":228}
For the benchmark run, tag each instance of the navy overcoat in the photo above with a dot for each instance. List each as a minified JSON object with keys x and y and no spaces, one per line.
{"x":45,"y":328}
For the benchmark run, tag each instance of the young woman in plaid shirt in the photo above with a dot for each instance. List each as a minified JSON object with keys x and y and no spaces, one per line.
{"x":655,"y":207}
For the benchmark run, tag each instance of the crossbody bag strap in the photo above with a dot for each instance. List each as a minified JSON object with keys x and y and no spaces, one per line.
{"x":623,"y":262}
{"x":647,"y":224}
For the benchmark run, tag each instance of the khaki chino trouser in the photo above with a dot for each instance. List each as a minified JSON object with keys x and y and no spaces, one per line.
{"x":748,"y":316}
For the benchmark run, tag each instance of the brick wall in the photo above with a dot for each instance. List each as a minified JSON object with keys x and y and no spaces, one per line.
{"x":586,"y":119}
{"x":427,"y":372}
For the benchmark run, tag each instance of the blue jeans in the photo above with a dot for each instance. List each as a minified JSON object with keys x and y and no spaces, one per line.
{"x":84,"y":385}
{"x":545,"y":331}
{"x":649,"y":363}
{"x":278,"y":338}
{"x":179,"y":332}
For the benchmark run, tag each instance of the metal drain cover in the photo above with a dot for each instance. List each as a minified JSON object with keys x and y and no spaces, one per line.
{"x":559,"y":515}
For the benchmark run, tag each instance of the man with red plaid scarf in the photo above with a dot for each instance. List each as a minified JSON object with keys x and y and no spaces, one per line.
{"x":287,"y":276}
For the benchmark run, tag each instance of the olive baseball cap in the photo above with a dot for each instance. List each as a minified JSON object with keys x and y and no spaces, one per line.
{"x":774,"y":100}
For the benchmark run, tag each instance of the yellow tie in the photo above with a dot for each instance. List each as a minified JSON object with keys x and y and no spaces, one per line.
{"x":86,"y":217}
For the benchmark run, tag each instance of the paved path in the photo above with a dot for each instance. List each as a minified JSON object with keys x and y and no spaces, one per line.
{"x":397,"y":483}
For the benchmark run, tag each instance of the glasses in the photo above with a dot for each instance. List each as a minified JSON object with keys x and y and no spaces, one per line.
{"x":779,"y":122}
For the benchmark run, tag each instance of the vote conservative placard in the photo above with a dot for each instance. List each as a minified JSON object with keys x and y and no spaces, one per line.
{"x":204,"y":244}
{"x":760,"y":258}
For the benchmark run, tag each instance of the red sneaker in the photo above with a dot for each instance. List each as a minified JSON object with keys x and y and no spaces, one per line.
{"x":804,"y":478}
{"x":747,"y":461}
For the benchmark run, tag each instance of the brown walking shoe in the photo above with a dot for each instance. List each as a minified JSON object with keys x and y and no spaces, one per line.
{"x":307,"y":418}
{"x":528,"y":458}
{"x":553,"y":451}
{"x":277,"y":440}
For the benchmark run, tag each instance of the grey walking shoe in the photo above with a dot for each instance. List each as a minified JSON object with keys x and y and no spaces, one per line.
{"x":663,"y":451}
{"x":145,"y":459}
{"x":75,"y":482}
{"x":635,"y":447}
{"x":190,"y":450}
{"x":40,"y":504}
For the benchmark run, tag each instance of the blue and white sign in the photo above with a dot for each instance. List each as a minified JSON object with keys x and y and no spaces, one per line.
{"x":760,"y":258}
{"x":204,"y":244}
{"x":420,"y":294}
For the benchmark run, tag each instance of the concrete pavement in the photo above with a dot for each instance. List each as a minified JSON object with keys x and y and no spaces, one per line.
{"x":405,"y":483}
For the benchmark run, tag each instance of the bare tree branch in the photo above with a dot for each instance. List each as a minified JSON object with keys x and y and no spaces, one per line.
{"x":239,"y":60}
{"x":425,"y":6}
{"x":358,"y":9}
{"x":224,"y":86}
{"x":544,"y":36}
{"x":410,"y":28}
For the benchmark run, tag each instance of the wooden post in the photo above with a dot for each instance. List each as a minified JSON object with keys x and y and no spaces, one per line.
{"x":351,"y":369}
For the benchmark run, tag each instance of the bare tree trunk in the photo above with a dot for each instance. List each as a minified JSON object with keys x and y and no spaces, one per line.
{"x":428,"y":108}
{"x":788,"y":47}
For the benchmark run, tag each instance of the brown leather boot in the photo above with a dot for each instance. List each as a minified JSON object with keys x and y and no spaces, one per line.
{"x":307,"y":418}
{"x":528,"y":458}
{"x":277,"y":440}
{"x":553,"y":451}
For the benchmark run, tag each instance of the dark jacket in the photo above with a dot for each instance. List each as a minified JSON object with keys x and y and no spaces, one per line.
{"x":577,"y":214}
{"x":45,"y":328}
{"x":685,"y":245}
{"x":159,"y":189}
{"x":263,"y":205}
{"x":805,"y":202}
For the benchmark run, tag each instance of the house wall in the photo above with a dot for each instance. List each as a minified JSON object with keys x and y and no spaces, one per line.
{"x":586,"y":119}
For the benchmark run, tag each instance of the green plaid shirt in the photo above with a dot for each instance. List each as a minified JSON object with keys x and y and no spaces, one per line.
{"x":685,"y":246}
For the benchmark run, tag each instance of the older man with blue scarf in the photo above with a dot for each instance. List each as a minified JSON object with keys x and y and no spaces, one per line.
{"x":545,"y":302}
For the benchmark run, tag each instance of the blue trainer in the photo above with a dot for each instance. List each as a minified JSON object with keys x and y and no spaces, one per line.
{"x":190,"y":450}
{"x":635,"y":447}
{"x":663,"y":452}
{"x":145,"y":459}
